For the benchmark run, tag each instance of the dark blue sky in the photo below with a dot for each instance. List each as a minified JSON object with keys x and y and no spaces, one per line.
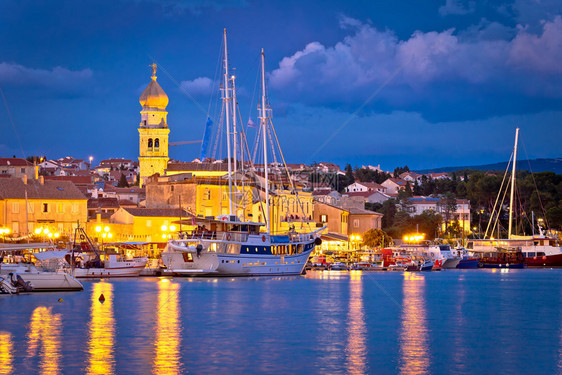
{"x":426,"y":84}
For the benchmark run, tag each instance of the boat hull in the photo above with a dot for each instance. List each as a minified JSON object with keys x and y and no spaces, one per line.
{"x":451,"y":263}
{"x":184,"y":262}
{"x":468,"y":263}
{"x":51,"y":281}
{"x":544,"y":261}
{"x":96,"y":273}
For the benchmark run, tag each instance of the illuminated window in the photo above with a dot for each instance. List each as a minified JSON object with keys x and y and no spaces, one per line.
{"x":60,"y":208}
{"x":149,"y":223}
{"x":323,"y":218}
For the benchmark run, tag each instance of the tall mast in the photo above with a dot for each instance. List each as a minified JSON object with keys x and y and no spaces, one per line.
{"x":264,"y":129}
{"x":227,"y":115}
{"x":234,"y":136}
{"x":512,"y":183}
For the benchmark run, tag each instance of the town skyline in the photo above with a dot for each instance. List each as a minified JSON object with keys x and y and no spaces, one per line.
{"x":342,"y":87}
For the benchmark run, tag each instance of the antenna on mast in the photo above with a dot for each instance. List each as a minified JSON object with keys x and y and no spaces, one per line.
{"x":227,"y":116}
{"x":512,"y":184}
{"x":264,"y":130}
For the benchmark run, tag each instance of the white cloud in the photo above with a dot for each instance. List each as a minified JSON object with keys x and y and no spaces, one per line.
{"x":368,"y":58}
{"x":58,"y":79}
{"x":202,"y":86}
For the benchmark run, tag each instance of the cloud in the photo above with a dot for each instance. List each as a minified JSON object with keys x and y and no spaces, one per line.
{"x":58,"y":80}
{"x":202,"y":86}
{"x":456,"y":7}
{"x":433,"y":69}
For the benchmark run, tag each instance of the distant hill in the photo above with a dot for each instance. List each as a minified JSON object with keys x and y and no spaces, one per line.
{"x":537,"y":165}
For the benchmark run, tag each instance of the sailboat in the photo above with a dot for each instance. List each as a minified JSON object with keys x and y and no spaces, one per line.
{"x":227,"y":245}
{"x":516,"y":251}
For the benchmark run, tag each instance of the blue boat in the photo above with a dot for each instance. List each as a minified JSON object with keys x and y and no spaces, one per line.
{"x":468,"y":263}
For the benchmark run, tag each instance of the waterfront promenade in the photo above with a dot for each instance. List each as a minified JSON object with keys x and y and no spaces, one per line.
{"x":450,"y":322}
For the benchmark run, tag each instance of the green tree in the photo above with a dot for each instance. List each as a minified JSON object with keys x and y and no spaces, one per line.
{"x":376,"y":238}
{"x":123,"y":181}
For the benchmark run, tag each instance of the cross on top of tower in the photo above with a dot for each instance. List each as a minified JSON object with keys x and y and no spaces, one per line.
{"x":153,"y":66}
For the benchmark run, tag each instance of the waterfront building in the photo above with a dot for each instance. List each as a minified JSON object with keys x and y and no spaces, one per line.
{"x":27,"y":204}
{"x":16,"y":167}
{"x":461,"y":214}
{"x":153,"y":130}
{"x":345,"y":226}
{"x":394,"y":185}
{"x":365,"y":187}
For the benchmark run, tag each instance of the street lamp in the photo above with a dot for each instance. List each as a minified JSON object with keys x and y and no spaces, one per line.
{"x":4,"y":232}
{"x":167,"y":231}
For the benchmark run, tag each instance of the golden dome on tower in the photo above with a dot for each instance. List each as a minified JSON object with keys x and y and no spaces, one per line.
{"x":153,"y":96}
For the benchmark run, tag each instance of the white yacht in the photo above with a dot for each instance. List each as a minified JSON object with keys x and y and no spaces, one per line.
{"x":236,"y":248}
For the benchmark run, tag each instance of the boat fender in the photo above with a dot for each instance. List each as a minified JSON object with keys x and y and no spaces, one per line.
{"x":263,"y":238}
{"x":317,"y":241}
{"x":199,"y":248}
{"x":228,"y":237}
{"x":480,"y":264}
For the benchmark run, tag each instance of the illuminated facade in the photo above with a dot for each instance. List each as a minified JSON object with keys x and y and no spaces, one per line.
{"x":153,"y":130}
{"x":28,"y":204}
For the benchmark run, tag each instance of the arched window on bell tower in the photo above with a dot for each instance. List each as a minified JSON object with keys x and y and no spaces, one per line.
{"x":150,"y":144}
{"x":156,"y":144}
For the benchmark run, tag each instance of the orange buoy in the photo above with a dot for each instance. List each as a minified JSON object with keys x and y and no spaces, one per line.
{"x":60,"y":300}
{"x":102,"y":298}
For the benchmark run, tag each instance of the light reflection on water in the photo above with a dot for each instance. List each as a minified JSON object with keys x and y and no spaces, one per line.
{"x":44,"y":339}
{"x":168,"y":330}
{"x":102,"y":331}
{"x":6,"y":355}
{"x":324,"y":323}
{"x":356,"y":343}
{"x":414,"y":352}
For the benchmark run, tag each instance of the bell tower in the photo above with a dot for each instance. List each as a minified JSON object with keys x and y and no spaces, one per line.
{"x":153,"y":130}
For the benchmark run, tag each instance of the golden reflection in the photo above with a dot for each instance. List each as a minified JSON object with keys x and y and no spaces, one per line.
{"x":102,"y":331}
{"x":356,"y":343}
{"x":168,"y":330}
{"x":44,"y":336}
{"x":414,"y":341}
{"x":6,"y":356}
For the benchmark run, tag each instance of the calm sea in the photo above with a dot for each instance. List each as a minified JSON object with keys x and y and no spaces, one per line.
{"x":450,"y":322}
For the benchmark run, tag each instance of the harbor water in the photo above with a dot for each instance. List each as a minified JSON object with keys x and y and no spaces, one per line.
{"x":331,"y":322}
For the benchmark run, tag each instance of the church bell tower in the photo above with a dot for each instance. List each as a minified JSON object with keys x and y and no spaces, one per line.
{"x":153,"y":130}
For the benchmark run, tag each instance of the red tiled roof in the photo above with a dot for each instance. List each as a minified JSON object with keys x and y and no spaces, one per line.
{"x":77,"y":180}
{"x":15,"y":162}
{"x":15,"y":188}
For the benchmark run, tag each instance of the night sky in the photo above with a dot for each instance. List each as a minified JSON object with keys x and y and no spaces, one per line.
{"x":422,"y":83}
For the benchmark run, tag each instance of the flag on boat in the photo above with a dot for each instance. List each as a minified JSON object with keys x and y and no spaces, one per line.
{"x":206,"y":135}
{"x":251,"y":124}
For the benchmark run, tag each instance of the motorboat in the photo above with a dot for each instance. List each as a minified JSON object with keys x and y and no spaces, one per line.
{"x":366,"y":266}
{"x":338,"y":266}
{"x":114,"y":266}
{"x":86,"y":261}
{"x":47,"y":274}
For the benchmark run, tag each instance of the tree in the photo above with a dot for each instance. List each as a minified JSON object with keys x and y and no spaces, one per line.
{"x":123,"y":181}
{"x":448,"y":205}
{"x":376,"y":238}
{"x":417,"y":188}
{"x":349,"y":174}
